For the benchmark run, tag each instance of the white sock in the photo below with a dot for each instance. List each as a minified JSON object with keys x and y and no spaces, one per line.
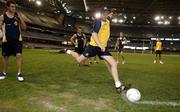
{"x":19,"y":73}
{"x":4,"y":73}
{"x":118,"y":84}
{"x":68,"y":51}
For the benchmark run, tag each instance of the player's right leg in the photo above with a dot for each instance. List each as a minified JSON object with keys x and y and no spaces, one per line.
{"x":5,"y":62}
{"x":155,"y":59}
{"x":89,"y":52}
{"x":160,"y":61}
{"x":79,"y":58}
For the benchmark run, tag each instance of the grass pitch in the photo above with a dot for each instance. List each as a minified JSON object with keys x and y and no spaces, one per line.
{"x":54,"y":83}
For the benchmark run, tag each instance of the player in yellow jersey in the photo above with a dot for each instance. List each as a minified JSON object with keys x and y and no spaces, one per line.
{"x":158,"y":50}
{"x":98,"y":46}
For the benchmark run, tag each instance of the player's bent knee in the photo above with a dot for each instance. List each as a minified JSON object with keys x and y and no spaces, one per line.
{"x":113,"y":63}
{"x":81,"y":59}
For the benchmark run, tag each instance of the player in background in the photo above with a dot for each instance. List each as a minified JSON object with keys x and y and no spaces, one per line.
{"x":12,"y":24}
{"x":98,"y":46}
{"x":121,"y":41}
{"x":158,"y":51}
{"x":79,"y":41}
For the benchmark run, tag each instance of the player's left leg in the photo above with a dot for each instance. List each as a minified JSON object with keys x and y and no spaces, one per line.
{"x":160,"y":58}
{"x":155,"y":59}
{"x":79,"y":58}
{"x":19,"y":60}
{"x":112,"y":67}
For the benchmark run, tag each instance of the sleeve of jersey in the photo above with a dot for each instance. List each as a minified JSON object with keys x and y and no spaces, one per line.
{"x":96,"y":26}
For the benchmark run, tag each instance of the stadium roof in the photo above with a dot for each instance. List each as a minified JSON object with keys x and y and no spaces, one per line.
{"x":144,"y":10}
{"x":129,"y":6}
{"x":128,"y":11}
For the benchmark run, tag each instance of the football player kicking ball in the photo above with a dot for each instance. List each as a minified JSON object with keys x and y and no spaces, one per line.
{"x":98,"y":46}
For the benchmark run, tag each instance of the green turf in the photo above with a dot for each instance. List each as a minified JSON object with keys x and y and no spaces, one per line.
{"x":53,"y":83}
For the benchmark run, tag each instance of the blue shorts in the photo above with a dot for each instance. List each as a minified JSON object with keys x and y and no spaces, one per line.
{"x":79,"y":50}
{"x":120,"y":49}
{"x":11,"y":48}
{"x":92,"y":51}
{"x":158,"y":52}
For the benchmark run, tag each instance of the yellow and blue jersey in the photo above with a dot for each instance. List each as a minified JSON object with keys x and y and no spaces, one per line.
{"x":158,"y":46}
{"x":11,"y":29}
{"x":102,"y":28}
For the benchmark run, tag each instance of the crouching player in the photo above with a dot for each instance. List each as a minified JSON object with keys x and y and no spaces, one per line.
{"x":97,"y":46}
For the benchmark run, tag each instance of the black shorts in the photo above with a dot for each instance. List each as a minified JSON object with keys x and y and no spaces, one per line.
{"x":121,"y":50}
{"x":158,"y":52}
{"x":92,"y":51}
{"x":79,"y":50}
{"x":9,"y":48}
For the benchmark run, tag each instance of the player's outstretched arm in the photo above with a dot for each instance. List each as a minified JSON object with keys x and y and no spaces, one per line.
{"x":112,"y":12}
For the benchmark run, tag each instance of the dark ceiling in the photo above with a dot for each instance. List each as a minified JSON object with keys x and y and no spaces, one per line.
{"x":128,"y":6}
{"x":123,"y":6}
{"x":144,"y":10}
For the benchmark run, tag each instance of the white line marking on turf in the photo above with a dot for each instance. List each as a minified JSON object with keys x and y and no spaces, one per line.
{"x":162,"y":103}
{"x":155,"y":103}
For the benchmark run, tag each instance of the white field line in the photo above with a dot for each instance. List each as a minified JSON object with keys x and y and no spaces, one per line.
{"x":161,"y":103}
{"x":155,"y":103}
